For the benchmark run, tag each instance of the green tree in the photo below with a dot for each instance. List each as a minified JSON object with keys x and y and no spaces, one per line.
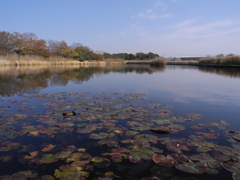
{"x":220,"y":55}
{"x":230,"y":55}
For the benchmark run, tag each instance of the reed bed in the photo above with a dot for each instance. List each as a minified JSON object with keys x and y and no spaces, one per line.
{"x":160,"y":61}
{"x":114,"y":61}
{"x":27,"y":60}
{"x":221,"y":61}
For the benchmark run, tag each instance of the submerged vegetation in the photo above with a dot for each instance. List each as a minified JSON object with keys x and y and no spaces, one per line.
{"x":135,"y":139}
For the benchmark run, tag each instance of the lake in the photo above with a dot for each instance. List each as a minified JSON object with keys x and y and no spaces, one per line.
{"x":119,"y":122}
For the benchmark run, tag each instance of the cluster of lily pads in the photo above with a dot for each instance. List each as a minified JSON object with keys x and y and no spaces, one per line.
{"x":111,"y":136}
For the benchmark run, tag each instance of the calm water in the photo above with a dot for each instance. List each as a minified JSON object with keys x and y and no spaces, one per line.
{"x":212,"y":93}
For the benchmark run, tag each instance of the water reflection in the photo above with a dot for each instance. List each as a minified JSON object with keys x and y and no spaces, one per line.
{"x":20,"y":80}
{"x":224,"y":71}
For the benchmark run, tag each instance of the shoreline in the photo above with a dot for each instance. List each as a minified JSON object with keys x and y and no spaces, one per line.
{"x":196,"y":63}
{"x":48,"y":63}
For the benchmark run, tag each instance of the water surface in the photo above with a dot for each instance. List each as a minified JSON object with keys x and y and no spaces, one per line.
{"x":212,"y":93}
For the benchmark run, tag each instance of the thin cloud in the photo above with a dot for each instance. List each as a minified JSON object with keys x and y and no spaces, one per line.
{"x":152,"y":16}
{"x":185,"y":23}
{"x":186,"y":30}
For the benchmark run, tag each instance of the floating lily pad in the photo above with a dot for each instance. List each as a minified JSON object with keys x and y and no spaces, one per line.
{"x":69,"y":113}
{"x":231,"y":165}
{"x":161,"y":130}
{"x":48,"y":147}
{"x":164,"y":160}
{"x":66,"y":172}
{"x":236,"y":176}
{"x":190,"y":168}
{"x":23,"y":175}
{"x":32,"y":155}
{"x":46,"y":177}
{"x":205,"y":160}
{"x":99,"y":136}
{"x":48,"y":158}
{"x":236,"y":137}
{"x":5,"y":158}
{"x":101,"y":162}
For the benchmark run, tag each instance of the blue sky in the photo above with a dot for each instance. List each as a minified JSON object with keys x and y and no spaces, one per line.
{"x":166,"y":27}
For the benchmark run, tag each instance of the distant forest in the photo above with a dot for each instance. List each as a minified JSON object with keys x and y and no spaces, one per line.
{"x":29,"y":44}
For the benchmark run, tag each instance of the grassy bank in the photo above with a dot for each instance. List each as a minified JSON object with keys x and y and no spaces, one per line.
{"x":221,"y":61}
{"x":154,"y":62}
{"x":18,"y":60}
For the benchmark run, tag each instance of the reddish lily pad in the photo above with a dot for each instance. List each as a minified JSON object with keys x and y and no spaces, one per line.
{"x":161,"y":130}
{"x":163,"y":160}
{"x":48,"y":148}
{"x":32,"y":155}
{"x":231,"y":165}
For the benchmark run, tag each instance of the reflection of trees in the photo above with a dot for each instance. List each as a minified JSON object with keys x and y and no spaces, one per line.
{"x":24,"y":83}
{"x":137,"y":68}
{"x":225,"y":71}
{"x":18,"y":81}
{"x":31,"y":79}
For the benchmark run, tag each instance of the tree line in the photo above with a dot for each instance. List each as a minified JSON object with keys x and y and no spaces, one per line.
{"x":30,"y":44}
{"x":126,"y":56}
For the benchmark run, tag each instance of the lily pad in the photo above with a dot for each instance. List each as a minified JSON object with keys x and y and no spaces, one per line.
{"x":5,"y":158}
{"x":48,"y":147}
{"x":231,"y":165}
{"x":190,"y":168}
{"x":236,"y":176}
{"x":164,"y":160}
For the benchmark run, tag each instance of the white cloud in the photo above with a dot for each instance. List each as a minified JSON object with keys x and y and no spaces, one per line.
{"x":161,"y":4}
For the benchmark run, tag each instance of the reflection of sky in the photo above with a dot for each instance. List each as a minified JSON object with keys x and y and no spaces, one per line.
{"x":188,"y":90}
{"x":179,"y":85}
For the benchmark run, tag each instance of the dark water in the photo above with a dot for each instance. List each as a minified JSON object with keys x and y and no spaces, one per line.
{"x":211,"y":92}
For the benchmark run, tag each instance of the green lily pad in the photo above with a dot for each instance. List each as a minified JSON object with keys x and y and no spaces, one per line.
{"x":205,"y":160}
{"x":190,"y":168}
{"x":236,"y":176}
{"x":48,"y":158}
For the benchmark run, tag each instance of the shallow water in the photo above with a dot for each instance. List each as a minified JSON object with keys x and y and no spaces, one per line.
{"x":211,"y":92}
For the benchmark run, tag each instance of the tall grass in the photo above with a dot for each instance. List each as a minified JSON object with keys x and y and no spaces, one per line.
{"x":221,"y":61}
{"x":19,"y":60}
{"x":160,"y":61}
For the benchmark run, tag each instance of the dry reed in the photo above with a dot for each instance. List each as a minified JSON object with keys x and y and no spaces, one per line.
{"x":27,"y":60}
{"x":221,"y":61}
